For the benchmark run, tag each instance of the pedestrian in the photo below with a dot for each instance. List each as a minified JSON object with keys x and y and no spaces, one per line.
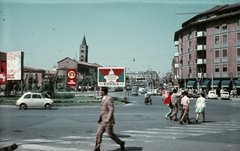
{"x":106,"y":120}
{"x":167,"y":101}
{"x":174,"y":100}
{"x":180,"y":106}
{"x":185,"y":102}
{"x":200,"y":107}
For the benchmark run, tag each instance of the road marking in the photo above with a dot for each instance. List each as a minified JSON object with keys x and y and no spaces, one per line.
{"x":146,"y":135}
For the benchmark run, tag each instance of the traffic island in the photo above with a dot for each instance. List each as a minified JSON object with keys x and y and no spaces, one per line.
{"x":7,"y":145}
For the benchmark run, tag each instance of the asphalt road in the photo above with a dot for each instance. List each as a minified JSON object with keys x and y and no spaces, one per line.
{"x":142,"y":127}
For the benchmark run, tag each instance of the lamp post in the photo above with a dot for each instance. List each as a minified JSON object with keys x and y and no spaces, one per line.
{"x":212,"y":68}
{"x":199,"y":78}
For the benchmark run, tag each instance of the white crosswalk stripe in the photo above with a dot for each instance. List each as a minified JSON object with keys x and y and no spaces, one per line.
{"x":182,"y":131}
{"x":77,"y":143}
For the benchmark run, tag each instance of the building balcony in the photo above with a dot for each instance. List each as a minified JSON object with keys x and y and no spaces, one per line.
{"x":176,"y":54}
{"x":201,"y":47}
{"x":176,"y":65}
{"x":200,"y":61}
{"x":201,"y":34}
{"x":201,"y":75}
{"x":176,"y":43}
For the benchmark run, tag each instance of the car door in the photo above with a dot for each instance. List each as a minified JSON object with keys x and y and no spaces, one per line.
{"x":27,"y":99}
{"x":37,"y":100}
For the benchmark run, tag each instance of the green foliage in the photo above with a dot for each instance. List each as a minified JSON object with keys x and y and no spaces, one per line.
{"x":63,"y":95}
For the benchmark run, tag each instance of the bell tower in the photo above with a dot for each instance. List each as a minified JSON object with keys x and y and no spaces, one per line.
{"x":83,"y":55}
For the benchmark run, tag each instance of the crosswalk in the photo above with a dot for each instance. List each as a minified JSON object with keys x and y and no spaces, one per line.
{"x":86,"y":143}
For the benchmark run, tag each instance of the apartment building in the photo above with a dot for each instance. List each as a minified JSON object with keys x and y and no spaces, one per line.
{"x":208,"y":49}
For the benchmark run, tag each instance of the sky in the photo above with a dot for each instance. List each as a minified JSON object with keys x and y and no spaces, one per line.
{"x":136,"y":34}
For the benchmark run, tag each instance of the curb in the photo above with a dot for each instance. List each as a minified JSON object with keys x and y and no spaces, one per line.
{"x":7,"y":145}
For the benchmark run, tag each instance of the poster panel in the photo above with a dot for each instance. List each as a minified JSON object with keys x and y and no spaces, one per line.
{"x":3,"y":77}
{"x":14,"y":65}
{"x":71,"y":77}
{"x":111,"y":76}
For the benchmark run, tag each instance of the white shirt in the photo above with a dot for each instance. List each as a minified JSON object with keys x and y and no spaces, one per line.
{"x":200,"y":103}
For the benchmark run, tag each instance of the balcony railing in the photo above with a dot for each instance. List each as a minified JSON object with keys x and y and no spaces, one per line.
{"x":176,"y":54}
{"x":201,"y":75}
{"x":201,"y":34}
{"x":176,"y":43}
{"x":201,"y":47}
{"x":200,"y":61}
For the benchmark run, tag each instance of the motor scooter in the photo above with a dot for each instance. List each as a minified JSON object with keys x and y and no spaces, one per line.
{"x":147,"y":99}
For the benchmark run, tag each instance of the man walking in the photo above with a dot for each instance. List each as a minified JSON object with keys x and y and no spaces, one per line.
{"x":185,"y":102}
{"x":106,"y":120}
{"x":174,"y":100}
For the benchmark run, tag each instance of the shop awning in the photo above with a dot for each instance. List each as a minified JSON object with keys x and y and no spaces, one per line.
{"x":206,"y":84}
{"x":215,"y":83}
{"x":225,"y":83}
{"x":237,"y":84}
{"x":191,"y":83}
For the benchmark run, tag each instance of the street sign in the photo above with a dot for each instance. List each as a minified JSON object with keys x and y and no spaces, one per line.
{"x":111,"y":76}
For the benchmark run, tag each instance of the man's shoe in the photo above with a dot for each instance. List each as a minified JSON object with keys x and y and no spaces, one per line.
{"x":175,"y":120}
{"x":196,"y":121}
{"x":97,"y":149}
{"x":122,"y":146}
{"x":189,"y":122}
{"x":166,"y":116}
{"x":181,"y":123}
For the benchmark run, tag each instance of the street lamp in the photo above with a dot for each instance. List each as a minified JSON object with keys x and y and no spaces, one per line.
{"x":212,"y":68}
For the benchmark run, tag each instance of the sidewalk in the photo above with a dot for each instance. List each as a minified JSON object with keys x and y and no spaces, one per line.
{"x":7,"y":145}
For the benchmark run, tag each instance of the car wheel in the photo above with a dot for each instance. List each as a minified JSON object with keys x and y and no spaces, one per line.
{"x":23,"y":106}
{"x":47,"y":106}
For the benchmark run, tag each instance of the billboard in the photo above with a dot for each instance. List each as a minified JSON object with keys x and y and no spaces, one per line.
{"x":14,"y":65}
{"x":71,"y":77}
{"x":3,"y":78}
{"x":111,"y":76}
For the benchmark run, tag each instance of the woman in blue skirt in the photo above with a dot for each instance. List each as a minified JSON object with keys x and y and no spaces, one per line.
{"x":200,"y":106}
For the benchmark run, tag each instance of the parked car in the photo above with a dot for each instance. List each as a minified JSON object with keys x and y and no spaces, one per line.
{"x":30,"y":99}
{"x":212,"y":95}
{"x":225,"y":95}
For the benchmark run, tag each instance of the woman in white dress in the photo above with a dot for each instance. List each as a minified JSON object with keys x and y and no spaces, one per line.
{"x":200,"y":106}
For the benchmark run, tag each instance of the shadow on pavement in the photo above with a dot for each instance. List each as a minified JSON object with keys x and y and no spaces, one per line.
{"x":129,"y":149}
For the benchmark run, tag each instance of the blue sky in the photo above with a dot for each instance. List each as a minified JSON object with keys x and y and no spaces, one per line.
{"x":116,"y":31}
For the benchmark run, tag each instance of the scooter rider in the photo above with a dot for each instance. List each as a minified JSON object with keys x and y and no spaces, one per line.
{"x":147,"y":98}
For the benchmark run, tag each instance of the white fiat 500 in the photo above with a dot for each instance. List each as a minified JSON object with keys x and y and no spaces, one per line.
{"x":30,"y":99}
{"x":225,"y":95}
{"x":212,"y":95}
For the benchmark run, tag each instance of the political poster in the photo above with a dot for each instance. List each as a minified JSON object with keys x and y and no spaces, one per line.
{"x":71,"y":77}
{"x":14,"y":65}
{"x":3,"y":77}
{"x":111,"y":76}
